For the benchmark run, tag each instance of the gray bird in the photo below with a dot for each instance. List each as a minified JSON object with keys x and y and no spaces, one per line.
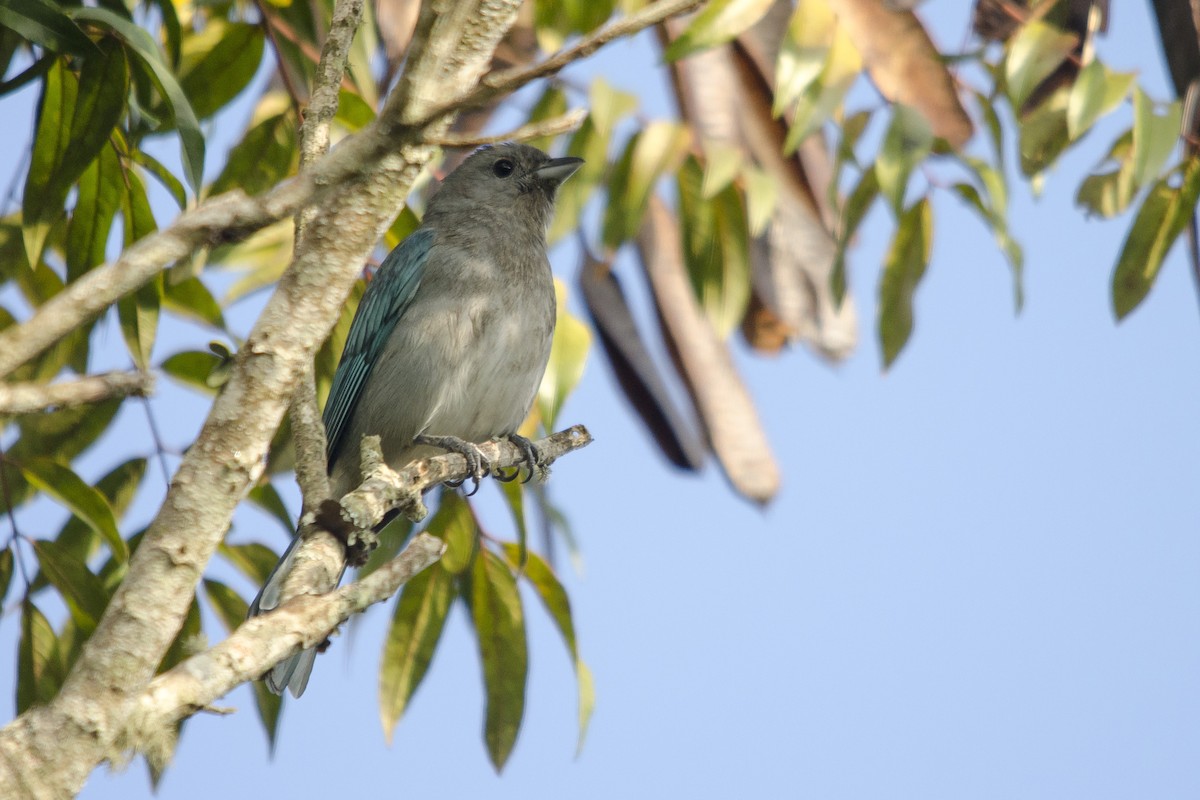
{"x":451,"y":338}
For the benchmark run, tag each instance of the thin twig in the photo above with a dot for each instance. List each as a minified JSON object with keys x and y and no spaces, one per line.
{"x":29,"y":398}
{"x":534,"y":130}
{"x":159,"y":448}
{"x":284,"y":73}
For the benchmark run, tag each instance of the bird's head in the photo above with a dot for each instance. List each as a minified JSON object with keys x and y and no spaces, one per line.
{"x":513,"y":181}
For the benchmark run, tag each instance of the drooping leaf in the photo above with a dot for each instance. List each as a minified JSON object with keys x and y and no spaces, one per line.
{"x":254,"y":560}
{"x":803,"y":52}
{"x":607,"y":106}
{"x":86,"y":502}
{"x":1043,"y":135}
{"x":454,"y":524}
{"x":412,"y":638}
{"x":218,"y":63}
{"x":191,"y":139}
{"x":1154,"y":137}
{"x":499,"y":622}
{"x":590,"y":144}
{"x":267,"y":154}
{"x":392,"y":539}
{"x":903,"y":269}
{"x":40,"y":666}
{"x":231,"y":608}
{"x":187,"y":642}
{"x":83,"y":592}
{"x":907,"y":142}
{"x":718,"y":22}
{"x":1096,"y":92}
{"x":1163,"y":216}
{"x":821,"y":98}
{"x":100,"y":189}
{"x":652,"y":152}
{"x":1110,"y":192}
{"x":568,"y":355}
{"x":44,"y":24}
{"x":1033,"y":54}
{"x":6,"y":571}
{"x":191,"y":298}
{"x":861,"y":198}
{"x":716,"y":249}
{"x":989,"y":197}
{"x":552,"y":103}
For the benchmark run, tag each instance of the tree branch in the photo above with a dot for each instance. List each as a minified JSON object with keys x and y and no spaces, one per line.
{"x":28,"y":398}
{"x":548,"y":127}
{"x":51,"y":749}
{"x":264,"y":641}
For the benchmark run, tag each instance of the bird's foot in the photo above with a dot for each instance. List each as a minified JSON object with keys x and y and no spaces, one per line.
{"x":477,"y":465}
{"x":531,"y":461}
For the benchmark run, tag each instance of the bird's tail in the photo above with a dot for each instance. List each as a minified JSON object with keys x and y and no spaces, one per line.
{"x":292,"y":672}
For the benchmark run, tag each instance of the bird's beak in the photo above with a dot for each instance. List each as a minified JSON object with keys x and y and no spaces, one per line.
{"x":557,"y":170}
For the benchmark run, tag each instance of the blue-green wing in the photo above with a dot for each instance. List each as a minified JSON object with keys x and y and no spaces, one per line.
{"x":384,"y":302}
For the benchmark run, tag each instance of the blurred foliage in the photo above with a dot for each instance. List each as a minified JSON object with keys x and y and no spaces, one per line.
{"x":773,"y":162}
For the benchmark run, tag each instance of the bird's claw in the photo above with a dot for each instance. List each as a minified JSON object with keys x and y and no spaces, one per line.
{"x":477,"y":464}
{"x":531,"y":460}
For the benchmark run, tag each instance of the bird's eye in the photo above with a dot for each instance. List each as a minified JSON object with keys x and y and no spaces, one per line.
{"x":503,"y":168}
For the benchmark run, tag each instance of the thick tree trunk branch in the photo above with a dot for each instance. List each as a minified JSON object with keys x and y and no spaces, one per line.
{"x":28,"y":398}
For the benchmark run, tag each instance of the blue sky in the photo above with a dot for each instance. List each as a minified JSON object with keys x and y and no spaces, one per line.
{"x":980,"y":578}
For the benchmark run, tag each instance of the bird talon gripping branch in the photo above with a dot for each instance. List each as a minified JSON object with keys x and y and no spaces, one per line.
{"x":452,"y":336}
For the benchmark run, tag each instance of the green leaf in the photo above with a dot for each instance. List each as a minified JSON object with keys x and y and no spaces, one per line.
{"x":45,"y":25}
{"x":555,"y":20}
{"x":514,"y":495}
{"x":1164,"y":214}
{"x":100,"y":190}
{"x":851,"y":216}
{"x":231,"y":608}
{"x":66,"y":432}
{"x":552,"y":103}
{"x":989,"y":197}
{"x":76,"y":117}
{"x":716,"y":249}
{"x":417,"y":625}
{"x":391,"y":539}
{"x":161,"y":173}
{"x":454,"y":524}
{"x":254,"y":560}
{"x":218,"y":63}
{"x":821,"y":98}
{"x":1043,"y":135}
{"x":568,"y":355}
{"x":1154,"y":136}
{"x":1033,"y":54}
{"x":187,"y":642}
{"x":500,"y":627}
{"x":903,"y":269}
{"x":191,"y":139}
{"x":554,"y":597}
{"x":265,"y":496}
{"x":803,"y":52}
{"x":138,"y":314}
{"x":118,"y":487}
{"x":6,"y":571}
{"x":83,"y":592}
{"x":722,"y":162}
{"x":267,"y":154}
{"x":1096,"y":92}
{"x":718,"y":22}
{"x":40,"y":666}
{"x":591,"y":145}
{"x":656,"y":149}
{"x":762,"y":197}
{"x":907,"y":142}
{"x":1109,"y":193}
{"x":84,"y":501}
{"x":193,"y":368}
{"x":191,"y":298}
{"x":607,"y":106}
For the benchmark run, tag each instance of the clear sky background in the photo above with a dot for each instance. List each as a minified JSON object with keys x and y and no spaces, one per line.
{"x":980,"y":579}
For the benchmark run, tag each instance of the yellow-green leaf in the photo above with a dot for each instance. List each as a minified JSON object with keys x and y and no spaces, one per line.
{"x":568,"y":356}
{"x":500,"y":627}
{"x":82,"y":590}
{"x":719,"y":21}
{"x":1164,"y":214}
{"x":416,"y":628}
{"x":84,"y":501}
{"x":656,"y":149}
{"x":1096,"y":92}
{"x":903,"y":269}
{"x":1034,"y":53}
{"x":454,"y":524}
{"x":231,"y":608}
{"x":803,"y":51}
{"x":40,"y":665}
{"x":907,"y":142}
{"x":1154,"y":136}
